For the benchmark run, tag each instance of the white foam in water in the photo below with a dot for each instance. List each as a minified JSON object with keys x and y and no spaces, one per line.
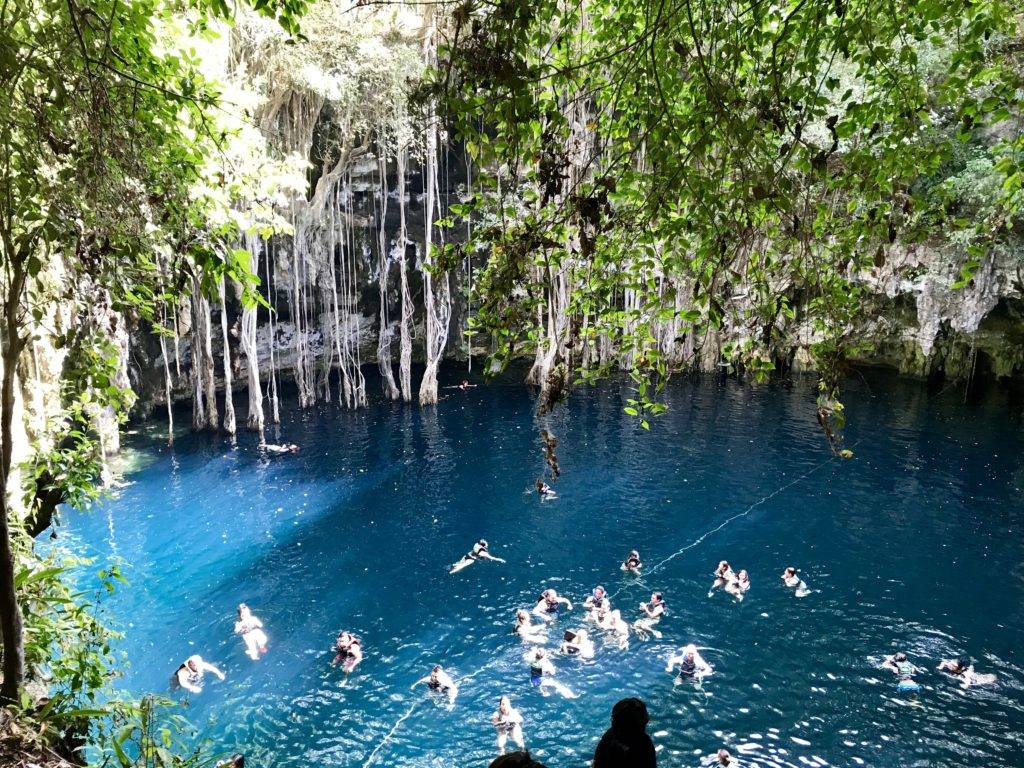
{"x":802,"y":742}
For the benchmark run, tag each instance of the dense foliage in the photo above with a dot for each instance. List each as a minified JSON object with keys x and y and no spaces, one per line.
{"x":698,"y":165}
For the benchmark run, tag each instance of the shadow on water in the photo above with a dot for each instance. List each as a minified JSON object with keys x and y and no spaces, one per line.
{"x":915,"y":544}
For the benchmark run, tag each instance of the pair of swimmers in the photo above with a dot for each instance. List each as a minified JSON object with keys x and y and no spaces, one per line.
{"x":905,"y":670}
{"x":736,"y":584}
{"x":191,"y":673}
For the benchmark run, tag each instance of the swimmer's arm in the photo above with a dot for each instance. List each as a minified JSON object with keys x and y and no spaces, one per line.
{"x":673,"y":660}
{"x":540,"y":610}
{"x":489,"y":556}
{"x":211,"y":668}
{"x":568,"y":603}
{"x":421,"y":681}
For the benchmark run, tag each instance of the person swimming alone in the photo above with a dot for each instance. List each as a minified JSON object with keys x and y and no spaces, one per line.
{"x":632,"y":563}
{"x":251,"y":630}
{"x":527,"y":630}
{"x":509,"y":723}
{"x":575,"y":642}
{"x":545,"y":491}
{"x":478,"y":552}
{"x":280,"y":449}
{"x":597,"y":599}
{"x":965,"y":673}
{"x":692,"y":665}
{"x":542,"y":673}
{"x":348,"y":651}
{"x":653,"y":611}
{"x":190,"y":675}
{"x":438,"y":681}
{"x":549,"y":604}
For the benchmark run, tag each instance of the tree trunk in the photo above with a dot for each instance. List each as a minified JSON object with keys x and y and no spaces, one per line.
{"x":250,"y":316}
{"x":229,"y":402}
{"x":405,"y":345}
{"x":384,"y":265}
{"x":10,"y":612}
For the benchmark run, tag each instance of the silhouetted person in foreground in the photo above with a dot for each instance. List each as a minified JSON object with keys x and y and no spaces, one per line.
{"x":516,"y":760}
{"x":626,"y":744}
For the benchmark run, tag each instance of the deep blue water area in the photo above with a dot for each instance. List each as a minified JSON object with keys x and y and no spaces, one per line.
{"x":916,"y":544}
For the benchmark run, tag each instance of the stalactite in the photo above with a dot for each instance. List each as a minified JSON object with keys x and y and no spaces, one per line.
{"x":229,"y":403}
{"x":383,"y":266}
{"x":247,"y":340}
{"x":405,"y":327}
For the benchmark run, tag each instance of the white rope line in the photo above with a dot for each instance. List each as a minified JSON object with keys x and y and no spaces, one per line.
{"x":392,"y":732}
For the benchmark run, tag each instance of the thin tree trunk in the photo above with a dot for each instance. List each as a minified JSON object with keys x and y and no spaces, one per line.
{"x":384,"y":265}
{"x":10,"y":612}
{"x":167,"y":383}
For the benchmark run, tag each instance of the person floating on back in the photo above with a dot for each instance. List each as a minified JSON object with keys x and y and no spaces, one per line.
{"x":632,"y":563}
{"x":509,"y":724}
{"x":549,"y":604}
{"x":251,"y":630}
{"x":626,"y":743}
{"x":965,"y":673}
{"x":190,"y":675}
{"x":478,"y":552}
{"x":691,"y":664}
{"x":439,"y":682}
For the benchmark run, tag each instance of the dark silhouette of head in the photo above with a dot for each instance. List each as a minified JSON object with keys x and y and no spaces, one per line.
{"x":516,"y":760}
{"x":626,"y":744}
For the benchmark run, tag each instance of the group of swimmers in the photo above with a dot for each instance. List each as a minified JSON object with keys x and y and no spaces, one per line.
{"x":688,"y":663}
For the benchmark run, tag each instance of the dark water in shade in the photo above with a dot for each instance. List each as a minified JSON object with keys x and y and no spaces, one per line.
{"x":916,"y":544}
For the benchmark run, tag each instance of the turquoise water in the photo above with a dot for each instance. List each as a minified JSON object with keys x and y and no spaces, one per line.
{"x":916,"y":544}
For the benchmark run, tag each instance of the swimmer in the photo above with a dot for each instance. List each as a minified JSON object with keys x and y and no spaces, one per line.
{"x":723,"y":575}
{"x":251,"y":630}
{"x":597,"y":599}
{"x":237,"y":760}
{"x":438,"y":681}
{"x":739,"y":586}
{"x":898,"y":664}
{"x":632,"y":563}
{"x":575,"y":642}
{"x":691,"y":664}
{"x":789,"y":577}
{"x":508,"y":722}
{"x":478,"y":552}
{"x":190,"y":674}
{"x":279,"y":449}
{"x":965,"y":673}
{"x":541,"y":672}
{"x":723,"y":757}
{"x":463,"y":385}
{"x":545,"y":491}
{"x":348,"y":651}
{"x":653,"y":611}
{"x":549,"y":604}
{"x":527,"y":630}
{"x":612,"y":621}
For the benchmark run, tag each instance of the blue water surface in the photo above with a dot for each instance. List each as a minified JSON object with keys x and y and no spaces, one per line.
{"x":915,"y":544}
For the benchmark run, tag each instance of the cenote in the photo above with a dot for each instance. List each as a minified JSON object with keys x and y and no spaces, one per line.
{"x":915,"y":544}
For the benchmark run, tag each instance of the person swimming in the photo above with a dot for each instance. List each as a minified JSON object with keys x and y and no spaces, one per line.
{"x":723,"y":757}
{"x":793,"y":581}
{"x":612,"y":621}
{"x":191,"y":673}
{"x":542,"y":672}
{"x":283,"y":448}
{"x":653,"y":611}
{"x":575,"y":642}
{"x":738,"y":586}
{"x":904,"y":670}
{"x":509,"y":723}
{"x":251,"y":630}
{"x":545,"y":491}
{"x":439,"y":682}
{"x":549,"y":604}
{"x":965,"y":673}
{"x":723,"y":575}
{"x":478,"y":552}
{"x":527,"y":630}
{"x":632,"y":563}
{"x":597,"y":599}
{"x":692,"y":665}
{"x":348,"y":651}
